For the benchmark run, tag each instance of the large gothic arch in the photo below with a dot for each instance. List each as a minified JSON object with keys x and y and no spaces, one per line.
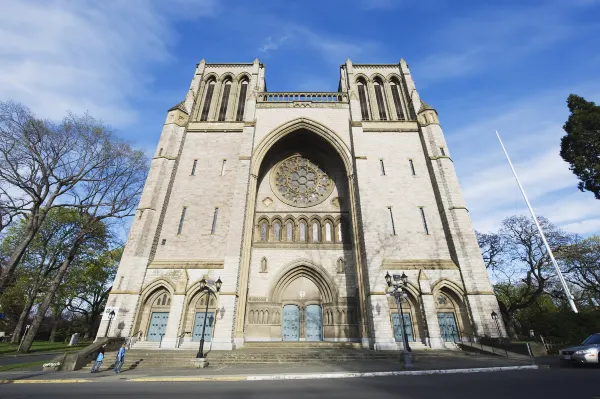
{"x":267,"y":142}
{"x":352,"y":309}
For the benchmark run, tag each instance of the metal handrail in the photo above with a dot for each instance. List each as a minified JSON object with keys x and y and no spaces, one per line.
{"x":180,"y":338}
{"x":477,"y":339}
{"x":161,"y":338}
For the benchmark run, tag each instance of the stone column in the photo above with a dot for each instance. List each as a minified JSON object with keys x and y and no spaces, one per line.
{"x":433,"y":325}
{"x":223,"y":326}
{"x":170,"y":339}
{"x":380,"y":315}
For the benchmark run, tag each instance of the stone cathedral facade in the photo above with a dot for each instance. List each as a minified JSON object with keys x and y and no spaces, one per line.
{"x":301,"y":203}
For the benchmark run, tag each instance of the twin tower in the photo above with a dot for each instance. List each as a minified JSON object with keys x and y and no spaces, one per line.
{"x":301,"y":202}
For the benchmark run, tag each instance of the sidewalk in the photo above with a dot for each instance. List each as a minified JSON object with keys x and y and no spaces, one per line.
{"x":249,"y":372}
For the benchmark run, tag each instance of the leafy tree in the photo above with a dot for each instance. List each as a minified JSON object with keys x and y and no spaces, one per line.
{"x":111,"y":196}
{"x":580,"y":147}
{"x":92,"y":286}
{"x":518,"y":261}
{"x":43,"y":257}
{"x":45,"y":165}
{"x":582,"y":266}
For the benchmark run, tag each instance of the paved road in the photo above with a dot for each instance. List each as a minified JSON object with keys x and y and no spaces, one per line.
{"x":547,"y":384}
{"x":6,"y":360}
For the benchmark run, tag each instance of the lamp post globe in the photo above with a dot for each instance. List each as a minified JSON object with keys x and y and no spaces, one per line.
{"x":111,"y":316}
{"x":404,"y":278}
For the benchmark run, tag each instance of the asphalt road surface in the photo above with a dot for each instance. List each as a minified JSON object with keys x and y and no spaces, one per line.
{"x":546,"y":384}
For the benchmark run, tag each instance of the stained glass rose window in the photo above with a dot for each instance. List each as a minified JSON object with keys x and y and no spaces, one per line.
{"x":299,"y":182}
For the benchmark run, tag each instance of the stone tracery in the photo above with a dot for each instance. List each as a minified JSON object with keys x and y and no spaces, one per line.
{"x":297,"y":181}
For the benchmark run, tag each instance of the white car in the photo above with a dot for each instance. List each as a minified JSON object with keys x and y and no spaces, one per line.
{"x":587,"y":352}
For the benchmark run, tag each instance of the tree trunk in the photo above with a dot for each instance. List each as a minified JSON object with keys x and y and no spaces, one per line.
{"x":33,"y":225}
{"x":45,"y":305}
{"x":55,"y":321}
{"x":16,"y":337}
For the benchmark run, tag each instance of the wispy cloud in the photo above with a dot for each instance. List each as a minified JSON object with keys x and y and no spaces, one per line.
{"x":494,"y":36}
{"x":272,"y":45}
{"x":330,"y":47}
{"x":57,"y":56}
{"x":531,"y":130}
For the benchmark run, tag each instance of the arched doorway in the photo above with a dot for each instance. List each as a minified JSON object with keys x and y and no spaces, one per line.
{"x":302,"y":311}
{"x":452,"y":315}
{"x":413,"y":319}
{"x":155,"y":314}
{"x":197,"y":318}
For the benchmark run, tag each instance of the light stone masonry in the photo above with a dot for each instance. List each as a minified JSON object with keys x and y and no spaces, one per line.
{"x":301,"y":203}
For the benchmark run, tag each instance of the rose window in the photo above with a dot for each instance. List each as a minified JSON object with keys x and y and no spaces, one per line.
{"x":299,"y":182}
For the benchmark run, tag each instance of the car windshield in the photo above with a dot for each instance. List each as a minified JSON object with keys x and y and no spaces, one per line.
{"x":592,"y":340}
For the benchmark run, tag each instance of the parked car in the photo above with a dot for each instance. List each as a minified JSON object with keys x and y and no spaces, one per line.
{"x":587,"y":352}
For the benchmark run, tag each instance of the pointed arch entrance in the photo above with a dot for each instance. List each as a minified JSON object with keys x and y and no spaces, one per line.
{"x":304,"y":291}
{"x":302,"y":196}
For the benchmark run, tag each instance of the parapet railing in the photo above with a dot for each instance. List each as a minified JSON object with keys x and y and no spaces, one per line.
{"x":288,"y":97}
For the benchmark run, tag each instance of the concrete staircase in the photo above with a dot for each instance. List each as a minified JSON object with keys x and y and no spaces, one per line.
{"x":252,"y":353}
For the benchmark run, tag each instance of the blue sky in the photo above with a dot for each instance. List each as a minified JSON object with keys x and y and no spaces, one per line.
{"x":506,"y":65}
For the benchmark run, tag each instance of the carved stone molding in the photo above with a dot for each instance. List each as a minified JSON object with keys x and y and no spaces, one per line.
{"x":418,"y":264}
{"x":186,"y":264}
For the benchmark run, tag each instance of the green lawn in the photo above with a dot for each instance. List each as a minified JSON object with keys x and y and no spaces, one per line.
{"x":41,"y":347}
{"x":23,"y":366}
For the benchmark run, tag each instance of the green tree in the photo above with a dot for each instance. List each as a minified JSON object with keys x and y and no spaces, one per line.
{"x":582,"y":267}
{"x":580,"y":147}
{"x":42,"y":259}
{"x":46,"y":165}
{"x":92,"y":284}
{"x":519,"y":263}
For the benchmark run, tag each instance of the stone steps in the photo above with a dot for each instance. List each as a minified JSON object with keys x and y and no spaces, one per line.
{"x":181,"y":358}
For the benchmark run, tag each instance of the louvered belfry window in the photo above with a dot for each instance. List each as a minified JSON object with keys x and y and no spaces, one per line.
{"x":362,"y":96}
{"x":207,"y":100}
{"x":397,"y":103}
{"x":242,"y":101}
{"x":224,"y":101}
{"x":380,"y":102}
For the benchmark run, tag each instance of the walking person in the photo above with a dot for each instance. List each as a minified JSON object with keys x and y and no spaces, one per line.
{"x":99,"y":359}
{"x":120,"y":359}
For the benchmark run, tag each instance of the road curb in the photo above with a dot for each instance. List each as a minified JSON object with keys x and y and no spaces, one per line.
{"x":279,"y":377}
{"x":63,"y":381}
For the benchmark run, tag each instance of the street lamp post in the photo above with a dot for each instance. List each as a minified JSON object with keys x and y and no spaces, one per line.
{"x":396,"y":289}
{"x":495,"y":318}
{"x":111,"y":316}
{"x":205,"y":287}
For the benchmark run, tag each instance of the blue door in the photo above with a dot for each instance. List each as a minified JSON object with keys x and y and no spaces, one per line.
{"x":448,"y":327}
{"x":314,"y":323}
{"x":158,"y":325}
{"x":407,"y":326}
{"x":199,"y":325}
{"x":291,"y":323}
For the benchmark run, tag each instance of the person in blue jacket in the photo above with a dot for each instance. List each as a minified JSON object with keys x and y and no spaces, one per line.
{"x":98,"y":361}
{"x":120,"y":359}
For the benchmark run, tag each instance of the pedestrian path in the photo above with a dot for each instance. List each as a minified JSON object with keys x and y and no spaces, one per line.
{"x":466,"y":363}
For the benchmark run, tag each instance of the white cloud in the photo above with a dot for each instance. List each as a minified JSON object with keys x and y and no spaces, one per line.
{"x":86,"y":56}
{"x":272,"y":45}
{"x":531,"y":129}
{"x":332,"y":48}
{"x":495,"y":35}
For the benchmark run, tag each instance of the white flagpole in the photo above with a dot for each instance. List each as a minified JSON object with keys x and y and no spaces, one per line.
{"x":560,"y":276}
